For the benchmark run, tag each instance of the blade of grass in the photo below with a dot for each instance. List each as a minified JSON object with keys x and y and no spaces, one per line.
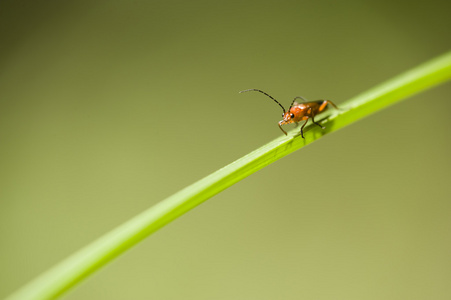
{"x":84,"y":262}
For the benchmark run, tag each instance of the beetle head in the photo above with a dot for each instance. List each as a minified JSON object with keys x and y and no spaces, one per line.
{"x":288,"y":118}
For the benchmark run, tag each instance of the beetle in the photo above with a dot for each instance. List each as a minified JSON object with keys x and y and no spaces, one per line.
{"x":300,"y":111}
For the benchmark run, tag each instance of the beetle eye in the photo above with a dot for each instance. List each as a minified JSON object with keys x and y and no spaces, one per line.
{"x":292,"y":116}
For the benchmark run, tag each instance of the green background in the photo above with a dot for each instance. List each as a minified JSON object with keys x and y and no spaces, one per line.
{"x":107,"y":107}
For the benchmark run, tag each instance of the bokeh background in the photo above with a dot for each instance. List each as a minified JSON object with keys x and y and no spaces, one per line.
{"x":107,"y":107}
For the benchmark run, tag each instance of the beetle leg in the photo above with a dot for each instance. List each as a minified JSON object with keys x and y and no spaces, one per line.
{"x":324,"y":104}
{"x":302,"y":129}
{"x":333,"y":104}
{"x":280,"y":126}
{"x":313,"y":120}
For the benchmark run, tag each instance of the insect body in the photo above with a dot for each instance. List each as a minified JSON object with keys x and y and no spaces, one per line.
{"x":300,"y":111}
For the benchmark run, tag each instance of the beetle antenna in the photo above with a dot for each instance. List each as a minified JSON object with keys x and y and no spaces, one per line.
{"x":291,"y":104}
{"x":294,"y":100}
{"x":266,"y":95}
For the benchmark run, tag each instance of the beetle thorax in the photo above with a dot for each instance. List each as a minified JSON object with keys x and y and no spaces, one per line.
{"x":295,"y":114}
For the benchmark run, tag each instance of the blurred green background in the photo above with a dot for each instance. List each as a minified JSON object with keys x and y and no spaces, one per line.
{"x":107,"y":107}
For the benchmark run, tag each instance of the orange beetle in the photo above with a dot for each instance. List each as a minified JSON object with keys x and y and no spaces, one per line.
{"x":300,"y":111}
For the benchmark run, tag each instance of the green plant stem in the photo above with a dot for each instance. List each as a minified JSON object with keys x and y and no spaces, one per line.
{"x":84,"y":262}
